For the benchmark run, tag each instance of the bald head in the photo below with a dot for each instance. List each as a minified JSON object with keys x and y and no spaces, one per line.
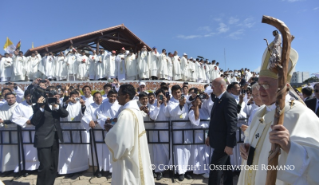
{"x":219,"y":86}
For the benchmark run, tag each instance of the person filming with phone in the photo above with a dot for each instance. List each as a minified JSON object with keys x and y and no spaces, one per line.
{"x":48,"y":132}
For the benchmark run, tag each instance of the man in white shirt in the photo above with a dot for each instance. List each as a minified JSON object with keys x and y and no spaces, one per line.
{"x":106,"y":88}
{"x":6,"y":67}
{"x":87,"y":97}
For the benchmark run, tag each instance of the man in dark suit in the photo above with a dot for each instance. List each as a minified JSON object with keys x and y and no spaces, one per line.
{"x":306,"y":93}
{"x":313,"y":104}
{"x":222,"y":132}
{"x":46,"y":119}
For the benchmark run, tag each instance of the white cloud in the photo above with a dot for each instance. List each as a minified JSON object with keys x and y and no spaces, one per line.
{"x":233,"y":20}
{"x":222,"y":28}
{"x":188,"y":36}
{"x":257,"y":70}
{"x":210,"y":34}
{"x":317,"y":8}
{"x":249,"y":22}
{"x":236,"y":34}
{"x":204,"y":28}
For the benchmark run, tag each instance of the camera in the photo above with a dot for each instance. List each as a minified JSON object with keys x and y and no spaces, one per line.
{"x":182,"y":97}
{"x":77,"y":99}
{"x":52,"y":100}
{"x":37,"y":92}
{"x":161,"y":97}
{"x":203,"y":96}
{"x":167,"y":95}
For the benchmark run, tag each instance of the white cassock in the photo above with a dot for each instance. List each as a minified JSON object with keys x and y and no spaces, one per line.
{"x":93,"y":60}
{"x":160,"y":151}
{"x":176,"y":68}
{"x":130,"y":156}
{"x":70,"y":60}
{"x":120,"y":63}
{"x":6,"y":68}
{"x":215,"y":72}
{"x":19,"y":66}
{"x":73,"y":157}
{"x":162,"y":66}
{"x":106,"y":110}
{"x":62,"y":72}
{"x":48,"y":63}
{"x":143,"y":64}
{"x":199,"y":72}
{"x":190,"y":70}
{"x":184,"y":67}
{"x":201,"y":153}
{"x":193,"y":70}
{"x":202,"y":68}
{"x":182,"y":156}
{"x":22,"y":113}
{"x":83,"y":65}
{"x":131,"y":67}
{"x":88,"y":101}
{"x":154,"y":63}
{"x":9,"y":157}
{"x":207,"y":68}
{"x":303,"y":126}
{"x":169,"y":68}
{"x":33,"y":67}
{"x":99,"y":67}
{"x":110,"y":68}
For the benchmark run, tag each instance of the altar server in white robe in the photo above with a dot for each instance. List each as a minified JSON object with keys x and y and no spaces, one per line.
{"x":6,"y":68}
{"x":169,"y":67}
{"x":83,"y":65}
{"x":32,"y":66}
{"x":200,"y":110}
{"x":19,"y":66}
{"x":48,"y":62}
{"x":71,"y":63}
{"x":131,"y":66}
{"x":22,"y":116}
{"x":184,"y":67}
{"x":110,"y":67}
{"x":100,"y":65}
{"x":154,"y":63}
{"x":92,"y":66}
{"x":298,"y":136}
{"x":178,"y":110}
{"x":90,"y":119}
{"x":73,"y":158}
{"x":131,"y":161}
{"x":8,"y":153}
{"x":120,"y":63}
{"x":107,"y":113}
{"x":143,"y":59}
{"x":160,"y":151}
{"x":176,"y":67}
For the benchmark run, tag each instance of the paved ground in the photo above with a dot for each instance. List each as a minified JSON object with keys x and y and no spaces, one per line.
{"x":86,"y":179}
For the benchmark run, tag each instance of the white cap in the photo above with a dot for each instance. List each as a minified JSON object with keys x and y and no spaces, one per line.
{"x":184,"y":54}
{"x":142,"y":83}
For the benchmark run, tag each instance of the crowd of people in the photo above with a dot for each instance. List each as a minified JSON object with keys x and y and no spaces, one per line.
{"x":73,"y":64}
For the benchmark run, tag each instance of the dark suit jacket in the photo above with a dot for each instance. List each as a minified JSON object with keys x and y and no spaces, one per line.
{"x":223,"y":123}
{"x":46,"y":123}
{"x":311,"y":104}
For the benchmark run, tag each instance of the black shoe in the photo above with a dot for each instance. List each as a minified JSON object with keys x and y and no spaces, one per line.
{"x":109,"y":176}
{"x":181,"y":177}
{"x":154,"y":175}
{"x":69,"y":175}
{"x":188,"y":176}
{"x":159,"y":176}
{"x":98,"y":174}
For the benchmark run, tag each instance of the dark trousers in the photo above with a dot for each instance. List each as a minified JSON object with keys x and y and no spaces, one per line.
{"x":48,"y":158}
{"x":220,"y":158}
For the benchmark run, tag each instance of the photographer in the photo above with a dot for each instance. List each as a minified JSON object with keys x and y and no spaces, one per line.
{"x":46,"y":119}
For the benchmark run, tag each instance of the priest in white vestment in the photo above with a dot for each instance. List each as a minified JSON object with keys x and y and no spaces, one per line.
{"x":71,"y":63}
{"x":83,"y":66}
{"x":32,"y":66}
{"x":22,"y":116}
{"x":110,"y":67}
{"x":19,"y":66}
{"x":6,"y":68}
{"x":73,"y":158}
{"x":143,"y":59}
{"x":298,"y":136}
{"x":120,"y":63}
{"x":128,"y":143}
{"x":153,"y":64}
{"x":93,"y":60}
{"x":48,"y":62}
{"x":131,"y":66}
{"x":176,"y":67}
{"x":184,"y":67}
{"x":169,"y":67}
{"x":61,"y":67}
{"x":100,"y":65}
{"x":8,"y":153}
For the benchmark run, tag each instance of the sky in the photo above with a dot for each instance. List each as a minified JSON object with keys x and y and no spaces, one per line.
{"x":228,"y":31}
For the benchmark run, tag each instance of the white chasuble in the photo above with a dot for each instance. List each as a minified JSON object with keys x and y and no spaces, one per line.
{"x":129,"y":149}
{"x":19,"y":66}
{"x":302,"y":160}
{"x":143,"y":64}
{"x":163,"y":66}
{"x":83,"y":63}
{"x":120,"y":63}
{"x":154,"y":63}
{"x":184,"y":67}
{"x":93,"y":60}
{"x":131,"y":67}
{"x":176,"y":68}
{"x":22,"y":113}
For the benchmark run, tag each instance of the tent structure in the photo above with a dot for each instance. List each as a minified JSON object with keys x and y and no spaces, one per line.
{"x":112,"y":38}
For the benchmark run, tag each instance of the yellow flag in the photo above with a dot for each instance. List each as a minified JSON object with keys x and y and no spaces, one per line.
{"x":32,"y":45}
{"x":9,"y":47}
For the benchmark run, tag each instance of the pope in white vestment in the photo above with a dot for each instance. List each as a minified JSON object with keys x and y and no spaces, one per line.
{"x":128,"y":145}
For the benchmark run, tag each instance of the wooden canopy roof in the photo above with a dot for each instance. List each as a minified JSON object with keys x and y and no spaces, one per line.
{"x":113,"y":38}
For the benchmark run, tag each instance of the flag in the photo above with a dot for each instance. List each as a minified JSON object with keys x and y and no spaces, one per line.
{"x":8,"y":46}
{"x":18,"y":45}
{"x":32,"y":45}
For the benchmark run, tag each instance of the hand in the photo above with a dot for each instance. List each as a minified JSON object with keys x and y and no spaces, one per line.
{"x":280,"y":135}
{"x":182,"y":102}
{"x":28,"y":122}
{"x":228,"y":150}
{"x":251,"y":101}
{"x":41,"y":100}
{"x":165,"y":100}
{"x":244,"y":148}
{"x":107,"y":127}
{"x":241,"y":98}
{"x":159,"y":102}
{"x":207,"y":141}
{"x":47,"y":82}
{"x":92,"y":124}
{"x":243,"y":127}
{"x":82,"y":102}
